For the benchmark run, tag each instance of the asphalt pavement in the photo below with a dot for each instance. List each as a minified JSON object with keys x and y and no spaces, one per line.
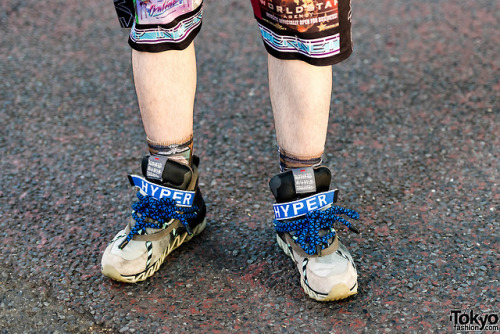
{"x":413,"y":144}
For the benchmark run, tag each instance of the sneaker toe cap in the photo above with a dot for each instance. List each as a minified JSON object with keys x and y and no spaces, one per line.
{"x":117,"y":263}
{"x":333,"y":272}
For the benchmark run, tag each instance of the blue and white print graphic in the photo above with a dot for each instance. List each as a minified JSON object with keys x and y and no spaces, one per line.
{"x":303,"y":206}
{"x":181,"y":197}
{"x":314,"y":48}
{"x":158,"y":35}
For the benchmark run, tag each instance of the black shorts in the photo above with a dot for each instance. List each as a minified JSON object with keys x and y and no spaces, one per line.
{"x":315,"y":31}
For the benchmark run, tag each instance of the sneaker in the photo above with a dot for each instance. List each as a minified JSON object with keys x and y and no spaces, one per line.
{"x":170,"y":211}
{"x":304,"y":217}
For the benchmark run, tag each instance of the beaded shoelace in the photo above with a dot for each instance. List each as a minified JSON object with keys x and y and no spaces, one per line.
{"x":161,"y":211}
{"x":306,"y":231}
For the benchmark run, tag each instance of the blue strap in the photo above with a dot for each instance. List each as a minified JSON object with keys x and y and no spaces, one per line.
{"x":182,"y":198}
{"x":303,"y":206}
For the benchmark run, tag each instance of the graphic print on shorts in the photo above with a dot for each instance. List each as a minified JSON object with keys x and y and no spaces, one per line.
{"x":161,"y":11}
{"x":303,"y":16}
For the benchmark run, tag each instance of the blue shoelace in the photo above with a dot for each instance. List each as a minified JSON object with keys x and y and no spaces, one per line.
{"x":307,"y":230}
{"x":161,"y":211}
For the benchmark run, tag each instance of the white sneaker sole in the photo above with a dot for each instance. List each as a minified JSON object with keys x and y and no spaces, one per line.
{"x":112,"y":273}
{"x":338,"y":291}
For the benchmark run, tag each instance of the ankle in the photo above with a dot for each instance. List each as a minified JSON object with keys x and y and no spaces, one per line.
{"x":180,"y":151}
{"x":290,"y":160}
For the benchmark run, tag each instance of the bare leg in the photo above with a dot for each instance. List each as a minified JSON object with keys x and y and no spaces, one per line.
{"x":300,"y":97}
{"x":166,"y":83}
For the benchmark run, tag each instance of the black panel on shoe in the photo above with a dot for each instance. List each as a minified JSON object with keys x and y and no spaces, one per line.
{"x":283,"y":185}
{"x":175,"y":175}
{"x":195,"y":160}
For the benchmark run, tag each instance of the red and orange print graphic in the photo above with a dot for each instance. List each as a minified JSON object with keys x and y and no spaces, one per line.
{"x":300,"y":15}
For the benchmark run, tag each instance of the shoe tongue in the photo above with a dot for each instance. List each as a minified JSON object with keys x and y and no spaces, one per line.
{"x":166,"y":172}
{"x":299,"y":183}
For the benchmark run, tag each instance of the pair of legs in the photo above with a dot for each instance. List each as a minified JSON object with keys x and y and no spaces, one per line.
{"x":301,"y":116}
{"x":303,"y":39}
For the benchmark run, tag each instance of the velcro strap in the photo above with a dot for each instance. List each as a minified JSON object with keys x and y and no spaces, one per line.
{"x":305,"y":205}
{"x":181,"y":197}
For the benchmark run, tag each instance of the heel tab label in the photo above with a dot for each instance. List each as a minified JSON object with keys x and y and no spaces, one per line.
{"x":304,"y":180}
{"x":305,"y":205}
{"x":156,"y":165}
{"x":181,"y":197}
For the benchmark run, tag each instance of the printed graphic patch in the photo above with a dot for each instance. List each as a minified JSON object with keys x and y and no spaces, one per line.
{"x":161,"y":11}
{"x":181,"y":197}
{"x":314,"y":48}
{"x":305,"y":205}
{"x":159,"y":35}
{"x":301,"y":15}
